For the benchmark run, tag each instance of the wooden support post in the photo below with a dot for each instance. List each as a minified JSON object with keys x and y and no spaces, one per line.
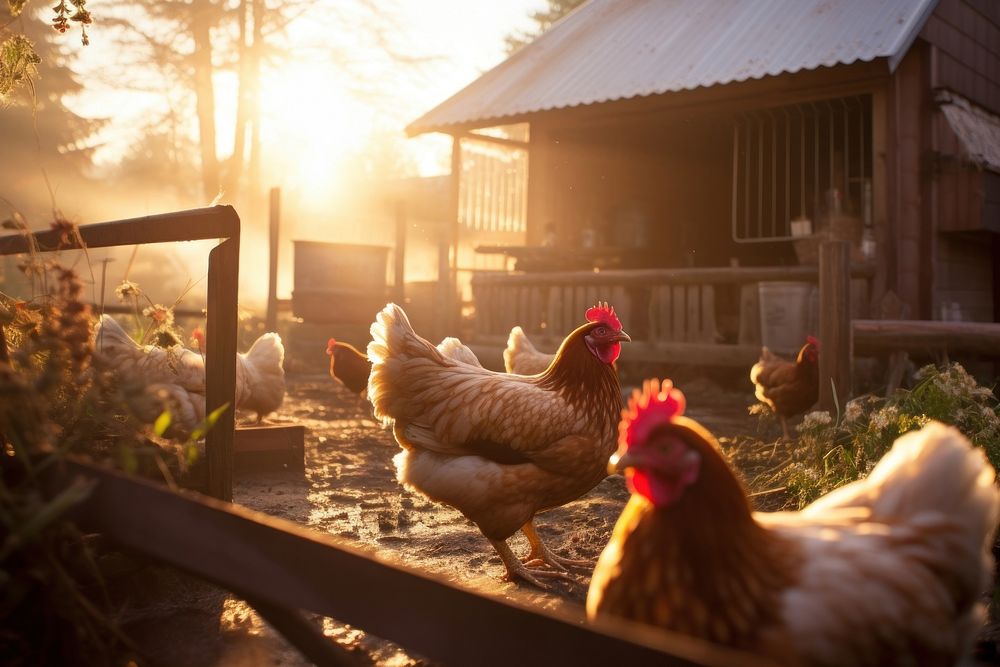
{"x":220,"y":364}
{"x":835,"y":353}
{"x":399,"y":291}
{"x":272,"y":274}
{"x":454,"y":301}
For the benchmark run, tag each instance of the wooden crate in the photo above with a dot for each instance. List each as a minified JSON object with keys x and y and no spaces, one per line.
{"x":270,"y":446}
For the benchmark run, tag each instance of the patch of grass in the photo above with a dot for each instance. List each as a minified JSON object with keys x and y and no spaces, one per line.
{"x":833,"y":451}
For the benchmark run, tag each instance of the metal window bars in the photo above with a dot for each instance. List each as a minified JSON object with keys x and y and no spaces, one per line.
{"x":802,"y":161}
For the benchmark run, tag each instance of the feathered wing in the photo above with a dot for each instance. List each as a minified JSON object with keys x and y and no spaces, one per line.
{"x":447,"y":406}
{"x":173,"y":365}
{"x":906,"y":550}
{"x":521,"y":357}
{"x":455,"y":349}
{"x":260,"y":375}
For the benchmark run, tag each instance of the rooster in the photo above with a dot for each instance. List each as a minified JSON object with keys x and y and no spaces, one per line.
{"x":521,"y":357}
{"x":788,"y":388}
{"x":177,"y":374}
{"x":498,"y":447}
{"x":887,"y":570}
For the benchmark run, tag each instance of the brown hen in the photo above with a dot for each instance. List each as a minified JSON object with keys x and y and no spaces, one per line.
{"x":788,"y":388}
{"x":888,"y":570}
{"x":499,"y":447}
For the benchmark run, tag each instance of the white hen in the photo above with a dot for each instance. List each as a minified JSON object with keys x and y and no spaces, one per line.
{"x":176,"y":375}
{"x":521,"y":357}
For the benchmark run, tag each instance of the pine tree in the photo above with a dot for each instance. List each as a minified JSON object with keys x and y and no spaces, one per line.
{"x":543,"y":18}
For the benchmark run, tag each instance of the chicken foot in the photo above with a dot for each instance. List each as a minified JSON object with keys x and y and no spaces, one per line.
{"x":541,"y":554}
{"x":517,"y":569}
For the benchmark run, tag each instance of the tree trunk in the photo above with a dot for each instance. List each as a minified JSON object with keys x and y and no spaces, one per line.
{"x":234,"y":167}
{"x":201,"y":25}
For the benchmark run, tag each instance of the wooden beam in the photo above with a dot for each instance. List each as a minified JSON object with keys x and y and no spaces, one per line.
{"x":220,"y":363}
{"x":454,"y":302}
{"x":500,"y":141}
{"x":281,"y":564}
{"x":274,"y":220}
{"x":834,"y":324}
{"x":880,"y":336}
{"x":646,"y":277}
{"x":216,"y":222}
{"x":399,"y":289}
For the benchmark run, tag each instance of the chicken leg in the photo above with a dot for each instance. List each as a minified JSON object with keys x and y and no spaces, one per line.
{"x":517,"y":569}
{"x":542,"y":554}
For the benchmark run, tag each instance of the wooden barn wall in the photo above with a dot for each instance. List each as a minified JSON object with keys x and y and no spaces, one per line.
{"x":909,"y":239}
{"x":677,"y":171}
{"x":963,"y":286}
{"x":966,"y":34}
{"x":964,"y":57}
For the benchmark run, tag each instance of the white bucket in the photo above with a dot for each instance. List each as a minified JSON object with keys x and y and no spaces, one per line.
{"x":788,"y":313}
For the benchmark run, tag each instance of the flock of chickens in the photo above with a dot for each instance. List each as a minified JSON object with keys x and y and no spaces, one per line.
{"x":887,"y":570}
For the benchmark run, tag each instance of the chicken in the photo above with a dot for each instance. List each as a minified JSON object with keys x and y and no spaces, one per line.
{"x":260,"y":376}
{"x":788,"y":388}
{"x":521,"y":357}
{"x":887,"y":570}
{"x":352,"y":368}
{"x":177,"y":375}
{"x":348,"y":365}
{"x":498,"y":447}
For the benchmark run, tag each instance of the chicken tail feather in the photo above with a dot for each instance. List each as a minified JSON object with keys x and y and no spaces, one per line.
{"x":393,"y":343}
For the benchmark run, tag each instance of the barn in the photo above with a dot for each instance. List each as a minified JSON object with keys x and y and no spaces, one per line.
{"x":687,"y":160}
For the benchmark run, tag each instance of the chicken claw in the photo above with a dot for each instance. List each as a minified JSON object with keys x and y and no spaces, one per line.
{"x":518,"y":570}
{"x":541,"y":554}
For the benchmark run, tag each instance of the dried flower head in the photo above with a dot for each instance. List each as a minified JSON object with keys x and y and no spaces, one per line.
{"x":160,"y":315}
{"x":127,"y":290}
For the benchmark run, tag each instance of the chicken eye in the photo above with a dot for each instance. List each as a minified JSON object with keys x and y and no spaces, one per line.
{"x":601,"y":331}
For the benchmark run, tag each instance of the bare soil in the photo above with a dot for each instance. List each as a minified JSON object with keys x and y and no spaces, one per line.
{"x":349,"y":490}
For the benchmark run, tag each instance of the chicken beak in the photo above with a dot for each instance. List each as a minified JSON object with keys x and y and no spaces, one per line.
{"x":619,"y":461}
{"x":623,"y":337}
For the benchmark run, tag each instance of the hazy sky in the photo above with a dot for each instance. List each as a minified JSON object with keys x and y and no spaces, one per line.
{"x":463,"y":38}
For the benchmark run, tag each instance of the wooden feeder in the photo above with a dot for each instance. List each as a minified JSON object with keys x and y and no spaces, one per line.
{"x":270,"y":446}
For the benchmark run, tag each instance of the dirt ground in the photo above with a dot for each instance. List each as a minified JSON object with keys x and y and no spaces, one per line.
{"x":349,"y":490}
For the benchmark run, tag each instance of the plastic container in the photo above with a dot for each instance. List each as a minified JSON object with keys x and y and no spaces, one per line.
{"x":787,"y":313}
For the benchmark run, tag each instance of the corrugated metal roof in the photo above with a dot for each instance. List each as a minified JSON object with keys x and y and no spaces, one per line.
{"x":977,"y":130}
{"x":616,"y":49}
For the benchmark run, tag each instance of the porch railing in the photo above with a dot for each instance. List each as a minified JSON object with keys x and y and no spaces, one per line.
{"x":672,"y":315}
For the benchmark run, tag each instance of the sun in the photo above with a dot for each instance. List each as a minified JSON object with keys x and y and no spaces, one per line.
{"x":310,"y":124}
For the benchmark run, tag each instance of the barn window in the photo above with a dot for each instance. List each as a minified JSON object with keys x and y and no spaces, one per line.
{"x":803,"y":163}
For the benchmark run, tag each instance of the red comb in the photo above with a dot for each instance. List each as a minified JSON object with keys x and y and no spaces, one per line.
{"x":811,"y":340}
{"x":330,"y":344}
{"x":604,"y":314}
{"x":657,"y":404}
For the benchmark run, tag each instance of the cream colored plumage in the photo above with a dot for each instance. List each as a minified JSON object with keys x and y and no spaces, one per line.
{"x":497,"y":447}
{"x":176,"y":375}
{"x":523,"y":358}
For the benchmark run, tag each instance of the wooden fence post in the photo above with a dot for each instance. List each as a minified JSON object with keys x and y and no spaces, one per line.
{"x":272,"y":275}
{"x":399,"y":290}
{"x":220,"y":364}
{"x":835,"y":355}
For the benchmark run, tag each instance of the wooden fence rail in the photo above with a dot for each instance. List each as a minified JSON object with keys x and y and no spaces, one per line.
{"x":281,"y":567}
{"x":217,"y":222}
{"x":671,"y":314}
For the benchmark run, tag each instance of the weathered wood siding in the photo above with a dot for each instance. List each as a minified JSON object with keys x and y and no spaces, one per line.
{"x":966,"y":34}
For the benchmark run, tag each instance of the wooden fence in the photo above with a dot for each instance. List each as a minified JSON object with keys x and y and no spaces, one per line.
{"x":671,"y":314}
{"x":217,"y":222}
{"x":282,"y":569}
